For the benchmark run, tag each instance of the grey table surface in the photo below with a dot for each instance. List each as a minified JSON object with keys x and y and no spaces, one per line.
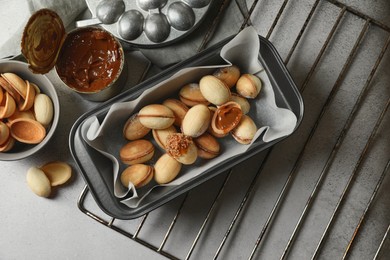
{"x":54,"y":228}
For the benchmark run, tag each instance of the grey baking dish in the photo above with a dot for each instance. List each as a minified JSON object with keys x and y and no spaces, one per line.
{"x":93,"y":166}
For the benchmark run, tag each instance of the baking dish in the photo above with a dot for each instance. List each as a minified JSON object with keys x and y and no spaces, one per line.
{"x":95,"y":168}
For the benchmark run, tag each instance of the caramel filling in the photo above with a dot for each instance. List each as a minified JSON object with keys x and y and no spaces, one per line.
{"x":228,"y":117}
{"x":178,"y":144}
{"x":90,"y":60}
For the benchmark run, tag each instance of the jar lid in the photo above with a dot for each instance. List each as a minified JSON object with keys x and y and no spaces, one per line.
{"x":42,"y":39}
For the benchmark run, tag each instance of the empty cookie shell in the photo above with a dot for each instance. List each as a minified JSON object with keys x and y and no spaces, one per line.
{"x":57,"y":172}
{"x":8,"y":144}
{"x":29,"y":100}
{"x":8,"y":89}
{"x":28,"y":131}
{"x":4,"y":133}
{"x":7,"y":106}
{"x":21,"y":114}
{"x":181,"y":16}
{"x":37,"y":89}
{"x":16,"y":82}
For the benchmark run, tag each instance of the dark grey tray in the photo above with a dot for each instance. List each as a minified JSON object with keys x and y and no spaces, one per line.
{"x":94,"y":167}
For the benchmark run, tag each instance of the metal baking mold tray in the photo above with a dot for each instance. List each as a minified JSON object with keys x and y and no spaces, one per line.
{"x":159,"y":22}
{"x":96,"y":169}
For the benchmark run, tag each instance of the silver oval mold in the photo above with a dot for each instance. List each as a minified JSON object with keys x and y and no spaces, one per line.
{"x":179,"y":26}
{"x":181,"y":16}
{"x":197,"y":3}
{"x":157,"y":27}
{"x":130,"y":25}
{"x":151,"y":4}
{"x":109,"y":12}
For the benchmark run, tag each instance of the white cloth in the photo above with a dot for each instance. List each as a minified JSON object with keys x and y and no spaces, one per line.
{"x":15,"y":14}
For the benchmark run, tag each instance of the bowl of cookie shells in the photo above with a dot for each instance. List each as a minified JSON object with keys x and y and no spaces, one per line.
{"x":29,"y":110}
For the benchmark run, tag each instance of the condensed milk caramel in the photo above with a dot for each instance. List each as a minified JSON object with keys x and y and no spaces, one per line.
{"x":89,"y":60}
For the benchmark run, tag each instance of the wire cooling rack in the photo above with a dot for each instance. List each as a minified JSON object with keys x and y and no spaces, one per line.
{"x":321,"y":193}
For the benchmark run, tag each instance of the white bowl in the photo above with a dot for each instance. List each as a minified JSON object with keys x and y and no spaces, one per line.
{"x":20,"y":150}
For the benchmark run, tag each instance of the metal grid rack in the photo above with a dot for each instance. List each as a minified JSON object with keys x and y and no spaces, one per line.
{"x":294,"y":238}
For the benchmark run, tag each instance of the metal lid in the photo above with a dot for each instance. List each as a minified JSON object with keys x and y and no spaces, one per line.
{"x":42,"y":39}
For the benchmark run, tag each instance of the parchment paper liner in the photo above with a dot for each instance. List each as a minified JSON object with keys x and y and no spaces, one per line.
{"x":273,"y":122}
